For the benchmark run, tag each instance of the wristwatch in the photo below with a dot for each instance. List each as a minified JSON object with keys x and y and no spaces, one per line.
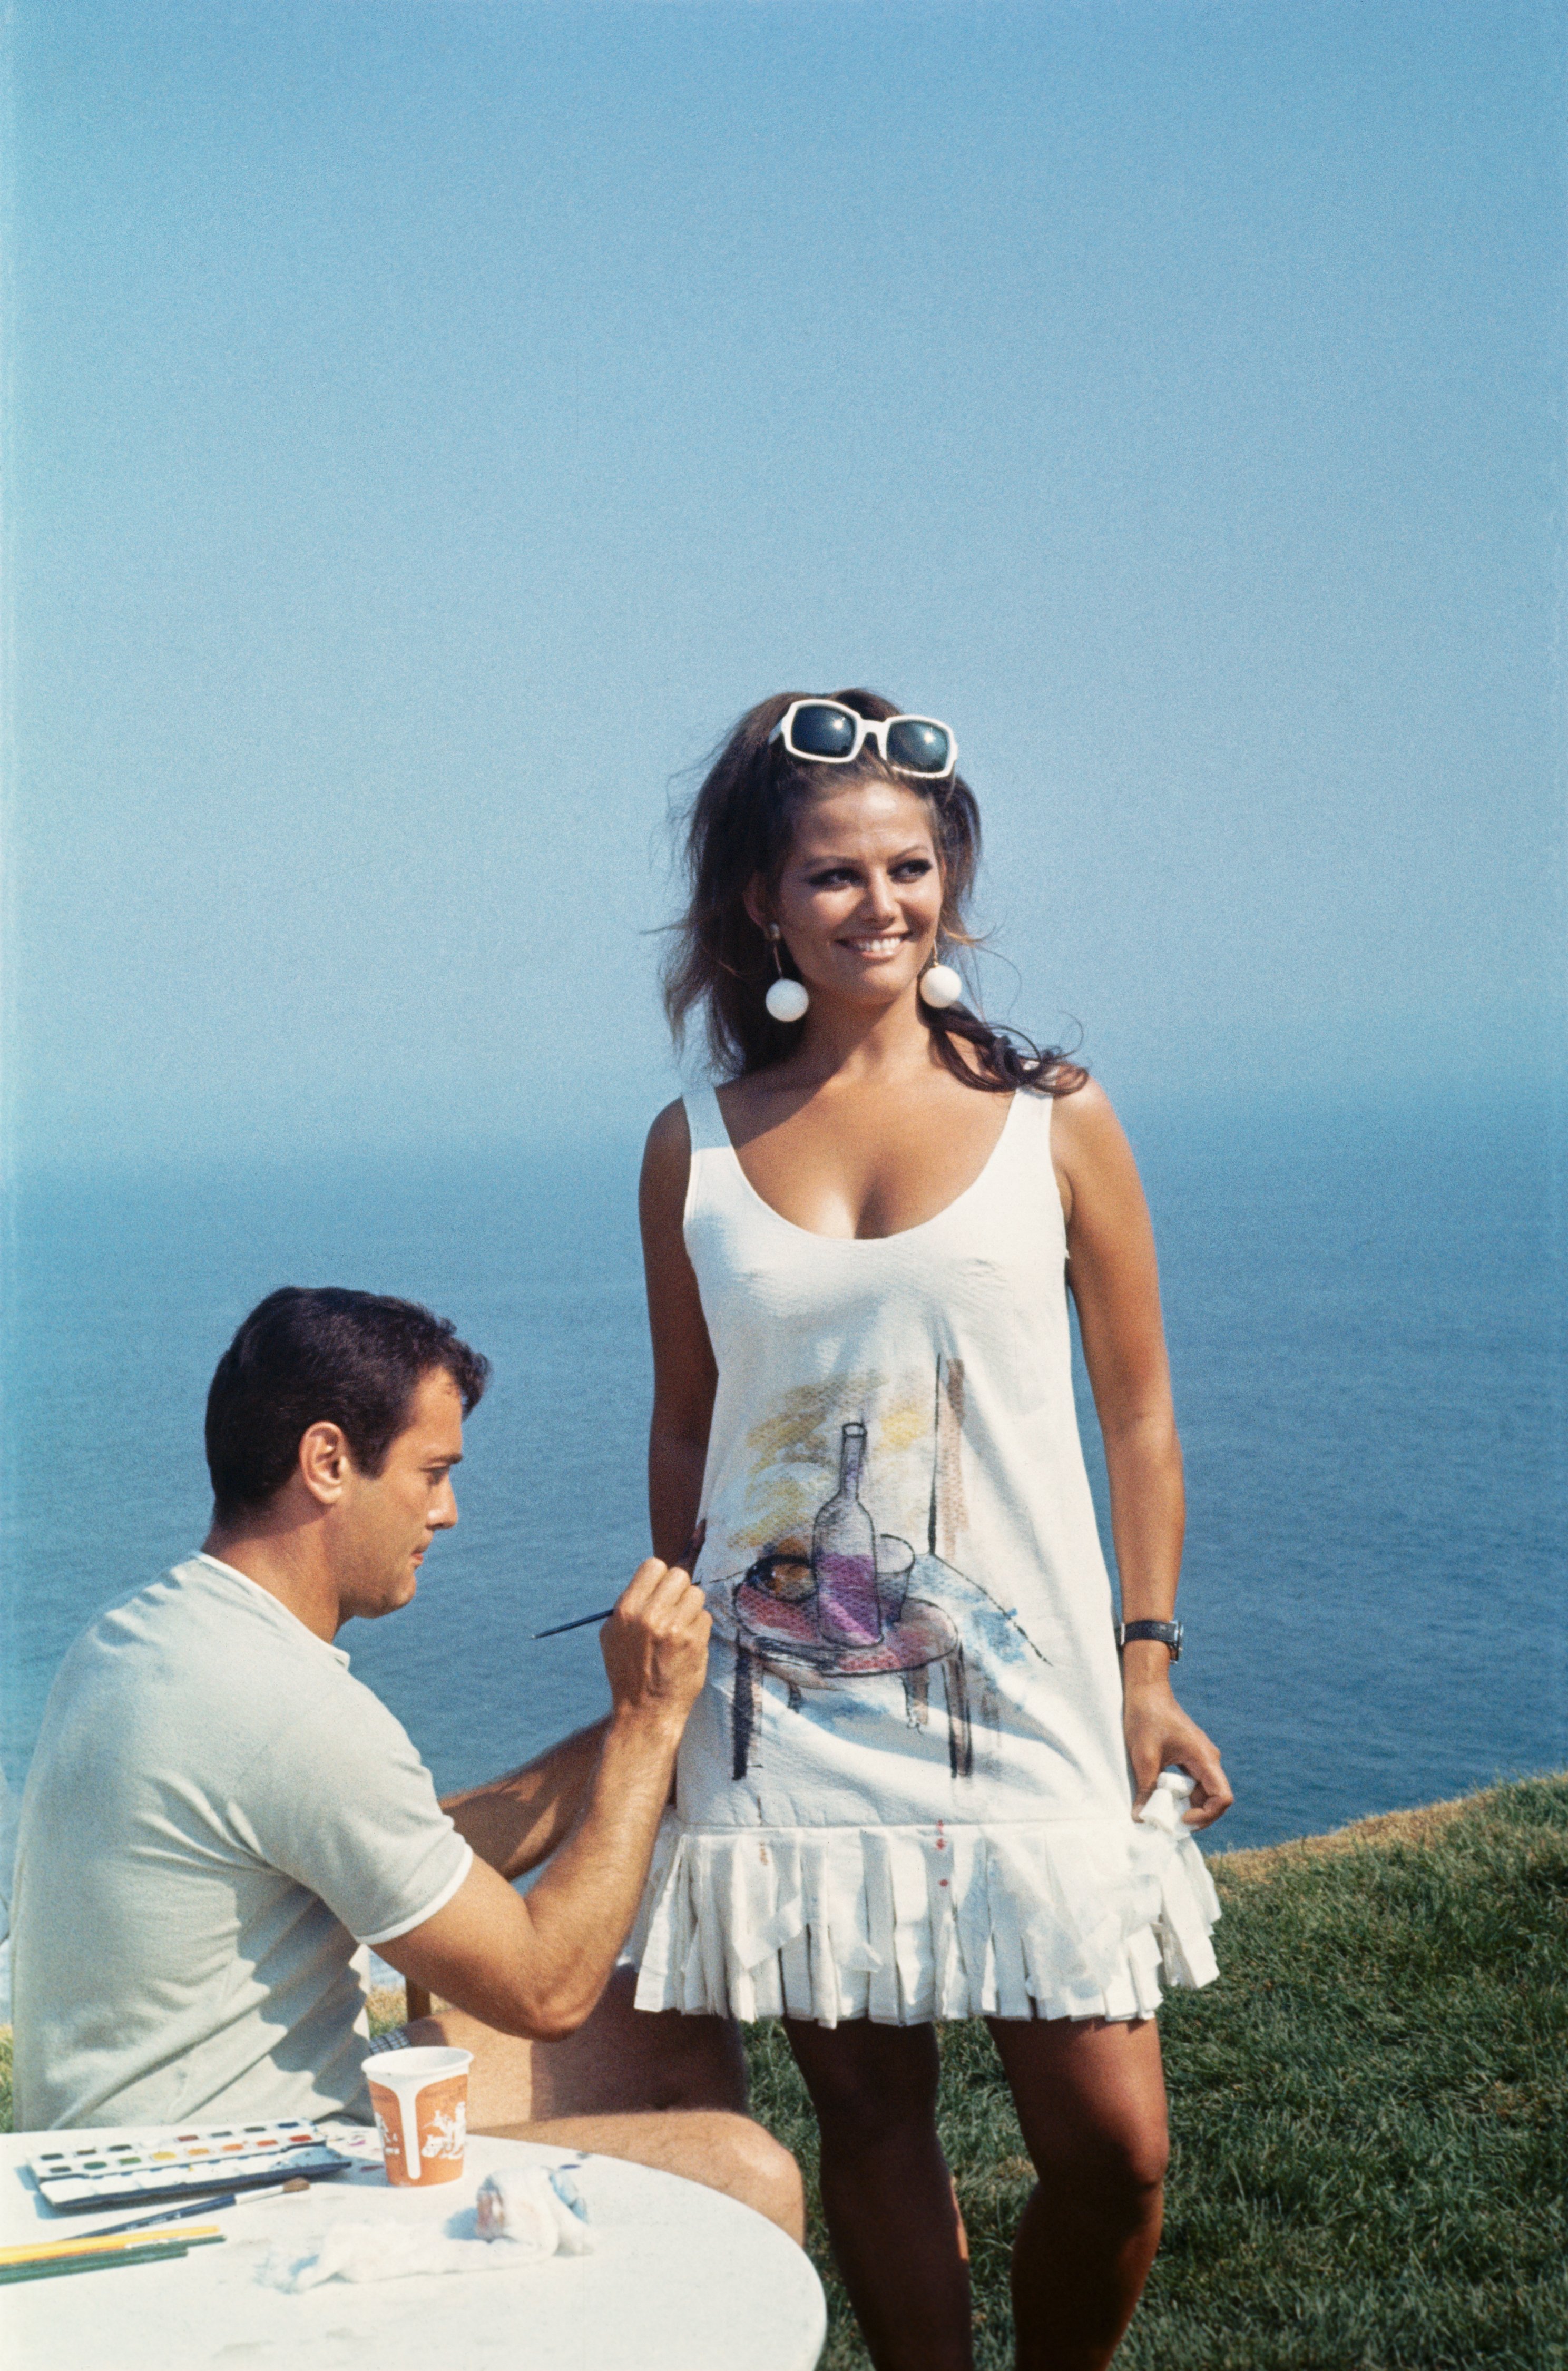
{"x":1168,"y":1633}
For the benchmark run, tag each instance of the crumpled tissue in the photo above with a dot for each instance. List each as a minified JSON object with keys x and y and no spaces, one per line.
{"x":521,"y":2216}
{"x":1165,"y":1806}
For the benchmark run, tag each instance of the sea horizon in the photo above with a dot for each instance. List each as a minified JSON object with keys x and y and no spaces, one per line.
{"x":1365,"y":1319}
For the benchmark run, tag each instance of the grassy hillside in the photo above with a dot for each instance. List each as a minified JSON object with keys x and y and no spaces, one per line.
{"x":1370,"y":2111}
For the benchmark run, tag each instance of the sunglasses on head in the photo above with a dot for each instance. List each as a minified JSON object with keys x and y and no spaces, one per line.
{"x":825,"y":732}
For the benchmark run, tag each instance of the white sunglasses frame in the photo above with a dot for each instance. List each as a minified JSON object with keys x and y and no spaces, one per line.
{"x":872,"y":728}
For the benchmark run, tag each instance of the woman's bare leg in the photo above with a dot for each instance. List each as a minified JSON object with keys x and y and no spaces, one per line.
{"x":886,"y":2191}
{"x":1090,"y":2099}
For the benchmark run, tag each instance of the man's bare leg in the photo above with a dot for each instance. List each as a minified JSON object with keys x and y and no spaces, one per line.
{"x":663,"y":2090}
{"x":727,"y":2153}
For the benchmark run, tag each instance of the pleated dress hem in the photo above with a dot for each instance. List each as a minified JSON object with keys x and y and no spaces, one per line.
{"x":922,"y":1925}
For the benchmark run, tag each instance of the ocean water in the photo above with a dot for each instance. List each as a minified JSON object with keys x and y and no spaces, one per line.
{"x":1366,"y":1311}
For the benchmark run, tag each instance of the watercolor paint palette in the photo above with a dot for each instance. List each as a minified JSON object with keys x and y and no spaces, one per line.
{"x":181,"y":2165}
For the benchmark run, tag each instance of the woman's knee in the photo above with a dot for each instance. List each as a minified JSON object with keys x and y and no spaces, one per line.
{"x":1091,"y":2102}
{"x":1119,"y":2160}
{"x":1138,"y":2156}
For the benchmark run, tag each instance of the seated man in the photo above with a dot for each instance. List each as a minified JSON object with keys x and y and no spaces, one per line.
{"x":217,"y":1814}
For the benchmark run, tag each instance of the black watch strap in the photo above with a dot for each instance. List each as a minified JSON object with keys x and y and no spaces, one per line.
{"x":1168,"y":1633}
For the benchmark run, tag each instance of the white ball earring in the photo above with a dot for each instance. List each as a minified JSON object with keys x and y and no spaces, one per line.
{"x":787,"y":999}
{"x":940,"y":986}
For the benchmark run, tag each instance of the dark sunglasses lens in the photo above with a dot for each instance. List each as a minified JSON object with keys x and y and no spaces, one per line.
{"x":822,"y":732}
{"x":917,"y":749}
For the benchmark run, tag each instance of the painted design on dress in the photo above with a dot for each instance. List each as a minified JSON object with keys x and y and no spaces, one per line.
{"x":789,"y":1448}
{"x":859,"y":1604}
{"x":949,"y":1515}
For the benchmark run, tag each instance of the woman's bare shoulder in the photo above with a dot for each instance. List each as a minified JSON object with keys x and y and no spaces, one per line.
{"x":1084,"y":1118}
{"x":666,"y":1158}
{"x":670,"y":1132}
{"x":1089,"y":1147}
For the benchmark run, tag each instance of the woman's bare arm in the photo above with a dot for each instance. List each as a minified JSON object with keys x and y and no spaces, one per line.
{"x":1114,"y":1281}
{"x":684,"y":1373}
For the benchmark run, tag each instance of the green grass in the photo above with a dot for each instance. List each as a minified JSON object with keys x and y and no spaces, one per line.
{"x":1369,"y":2113}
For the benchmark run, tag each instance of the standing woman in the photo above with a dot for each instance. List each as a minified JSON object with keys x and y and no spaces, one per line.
{"x":909,"y":1791}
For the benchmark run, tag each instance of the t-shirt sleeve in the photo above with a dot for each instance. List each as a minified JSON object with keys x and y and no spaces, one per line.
{"x":344,"y":1805}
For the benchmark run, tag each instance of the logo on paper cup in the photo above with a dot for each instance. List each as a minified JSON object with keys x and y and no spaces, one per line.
{"x":447,"y":2131}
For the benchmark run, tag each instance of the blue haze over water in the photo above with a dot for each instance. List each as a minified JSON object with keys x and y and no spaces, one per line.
{"x":1365,"y":1314}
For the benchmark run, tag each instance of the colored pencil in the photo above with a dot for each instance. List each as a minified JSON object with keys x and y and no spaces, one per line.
{"x":43,"y":2268}
{"x":97,"y":2243}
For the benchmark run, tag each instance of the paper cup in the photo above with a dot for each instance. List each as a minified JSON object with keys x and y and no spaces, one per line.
{"x":421,"y":2099}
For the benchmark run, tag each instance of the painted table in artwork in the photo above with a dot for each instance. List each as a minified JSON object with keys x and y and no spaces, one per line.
{"x":782,"y":1636}
{"x":681,"y":2280}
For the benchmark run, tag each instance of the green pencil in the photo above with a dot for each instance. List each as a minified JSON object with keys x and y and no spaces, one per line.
{"x":54,"y":2268}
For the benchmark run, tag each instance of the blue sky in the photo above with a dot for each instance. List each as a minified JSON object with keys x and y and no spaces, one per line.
{"x":430,"y":426}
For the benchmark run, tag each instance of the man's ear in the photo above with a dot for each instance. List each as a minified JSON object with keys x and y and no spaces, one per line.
{"x":325,"y":1464}
{"x":758,"y":903}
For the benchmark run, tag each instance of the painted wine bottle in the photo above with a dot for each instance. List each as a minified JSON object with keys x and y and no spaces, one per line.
{"x":844,"y":1554}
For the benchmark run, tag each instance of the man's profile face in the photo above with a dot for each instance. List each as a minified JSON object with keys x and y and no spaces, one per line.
{"x":384,"y":1522}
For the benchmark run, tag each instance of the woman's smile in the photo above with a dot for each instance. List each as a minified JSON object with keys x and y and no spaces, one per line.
{"x":860,"y":898}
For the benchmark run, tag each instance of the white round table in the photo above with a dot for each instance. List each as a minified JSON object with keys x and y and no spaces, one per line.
{"x":681,"y":2280}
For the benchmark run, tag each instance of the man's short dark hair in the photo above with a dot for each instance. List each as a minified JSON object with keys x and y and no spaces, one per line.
{"x":322,"y":1356}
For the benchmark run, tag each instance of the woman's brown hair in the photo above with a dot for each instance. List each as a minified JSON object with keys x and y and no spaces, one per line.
{"x":740,"y":825}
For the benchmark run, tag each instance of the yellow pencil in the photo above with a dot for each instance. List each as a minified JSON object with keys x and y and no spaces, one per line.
{"x":45,"y":2251}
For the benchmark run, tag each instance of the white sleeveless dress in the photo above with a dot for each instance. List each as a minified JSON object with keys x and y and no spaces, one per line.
{"x":903,"y":1793}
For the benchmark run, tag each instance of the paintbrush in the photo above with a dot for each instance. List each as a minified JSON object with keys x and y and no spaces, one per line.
{"x":556,"y":1628}
{"x":687,"y":1563}
{"x":200,"y":2206}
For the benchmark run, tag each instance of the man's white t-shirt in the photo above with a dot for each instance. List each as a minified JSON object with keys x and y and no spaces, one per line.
{"x":216,"y":1816}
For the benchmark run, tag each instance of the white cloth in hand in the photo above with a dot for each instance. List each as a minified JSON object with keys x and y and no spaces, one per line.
{"x":1165,"y":1806}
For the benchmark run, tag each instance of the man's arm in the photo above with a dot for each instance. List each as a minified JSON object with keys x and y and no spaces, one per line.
{"x":516,"y":1821}
{"x":537,"y":1966}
